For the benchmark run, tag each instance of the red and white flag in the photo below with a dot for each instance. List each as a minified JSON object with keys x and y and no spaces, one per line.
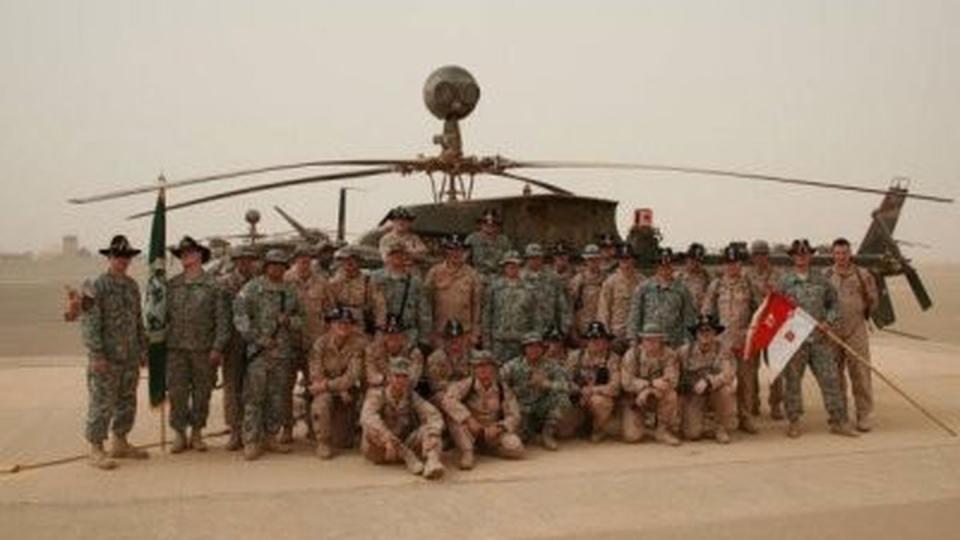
{"x":781,"y":327}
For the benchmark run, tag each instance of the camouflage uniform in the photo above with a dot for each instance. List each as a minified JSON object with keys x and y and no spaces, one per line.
{"x":234,"y":357}
{"x":112,"y":328}
{"x":716,"y":365}
{"x":486,"y":252}
{"x":361,"y":296}
{"x":340,"y":364}
{"x":444,"y":369}
{"x":696,"y":281}
{"x":414,"y":310}
{"x":817,"y":297}
{"x":856,"y":295}
{"x":637,"y":372}
{"x":376,"y":360}
{"x":413,"y":244}
{"x":494,"y":405}
{"x":731,"y":300}
{"x":601,"y":375}
{"x":509,"y":312}
{"x":541,"y":408}
{"x":198,"y":322}
{"x":409,"y":419}
{"x":550,"y":300}
{"x":669,"y":305}
{"x":454,"y":294}
{"x":613,"y":306}
{"x":271,"y":348}
{"x":584,"y":292}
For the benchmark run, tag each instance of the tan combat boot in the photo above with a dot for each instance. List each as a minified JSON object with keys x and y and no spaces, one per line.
{"x":413,"y":463}
{"x":286,"y":436}
{"x":776,"y":412}
{"x":323,"y":450}
{"x":179,"y":442}
{"x":252,"y":451}
{"x":99,"y":459}
{"x":548,"y":437}
{"x":793,"y":430}
{"x":844,"y":430}
{"x":747,"y":426}
{"x":196,"y":440}
{"x":664,"y":436}
{"x":272,"y":445}
{"x":120,"y":448}
{"x":467,"y":460}
{"x":864,"y":424}
{"x":721,"y":435}
{"x":234,"y":443}
{"x":433,"y":469}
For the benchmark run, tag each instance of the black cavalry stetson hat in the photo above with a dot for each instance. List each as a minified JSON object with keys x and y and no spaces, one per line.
{"x":187,"y":243}
{"x":120,"y":247}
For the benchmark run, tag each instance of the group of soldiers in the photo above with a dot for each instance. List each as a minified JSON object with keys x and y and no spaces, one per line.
{"x":489,"y":349}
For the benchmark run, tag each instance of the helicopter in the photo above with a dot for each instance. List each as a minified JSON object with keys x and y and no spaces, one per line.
{"x":553,"y":215}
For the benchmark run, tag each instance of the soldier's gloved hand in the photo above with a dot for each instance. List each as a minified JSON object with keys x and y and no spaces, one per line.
{"x":701,"y":386}
{"x":492,"y":433}
{"x":660,"y":384}
{"x":216,"y":358}
{"x":473,"y":426}
{"x":99,"y":365}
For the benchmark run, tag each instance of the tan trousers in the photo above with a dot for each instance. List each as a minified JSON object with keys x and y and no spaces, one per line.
{"x":694,"y":407}
{"x":507,"y":445}
{"x":663,"y":402}
{"x":595,"y":417}
{"x":334,"y":419}
{"x":420,"y":441}
{"x":861,"y":379}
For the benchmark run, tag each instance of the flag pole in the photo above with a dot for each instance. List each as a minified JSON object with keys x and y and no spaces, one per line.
{"x":859,"y":358}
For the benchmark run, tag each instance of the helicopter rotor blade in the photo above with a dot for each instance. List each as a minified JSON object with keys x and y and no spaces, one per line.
{"x":273,"y":185}
{"x":238,"y":173}
{"x":711,"y":172}
{"x":552,"y":188}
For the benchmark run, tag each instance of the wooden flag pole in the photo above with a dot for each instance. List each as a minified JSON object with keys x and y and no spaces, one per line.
{"x":835,"y":338}
{"x":163,"y":427}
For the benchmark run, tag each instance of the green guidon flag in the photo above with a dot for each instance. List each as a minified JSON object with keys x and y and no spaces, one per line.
{"x":156,"y":304}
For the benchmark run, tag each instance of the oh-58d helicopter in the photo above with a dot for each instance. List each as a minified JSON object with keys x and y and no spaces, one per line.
{"x":451,"y":94}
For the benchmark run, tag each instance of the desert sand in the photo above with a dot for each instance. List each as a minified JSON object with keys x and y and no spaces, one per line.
{"x":902,"y":480}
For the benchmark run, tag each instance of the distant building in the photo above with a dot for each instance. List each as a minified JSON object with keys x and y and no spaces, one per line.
{"x":71,"y":246}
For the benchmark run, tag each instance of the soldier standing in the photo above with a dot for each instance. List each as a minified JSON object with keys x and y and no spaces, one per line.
{"x":595,"y":376}
{"x":483,"y":412}
{"x":404,"y":295}
{"x":609,"y":246}
{"x":562,"y":268}
{"x":116,"y":343}
{"x":234,"y":361}
{"x":664,"y":300}
{"x":694,"y":276}
{"x":541,"y":389}
{"x":509,"y":311}
{"x":450,"y":362}
{"x":613,"y":306}
{"x":857,"y":297}
{"x":336,"y":363}
{"x":812,"y":292}
{"x":401,"y":222}
{"x":730,"y":299}
{"x":764,"y":278}
{"x":354,"y":290}
{"x":267,"y":314}
{"x":454,"y":290}
{"x":648,"y":375}
{"x":488,"y":246}
{"x":316,"y":299}
{"x":584,"y":290}
{"x":399,"y":425}
{"x":707,"y":379}
{"x":198,"y":332}
{"x":550,"y":298}
{"x":391,"y":342}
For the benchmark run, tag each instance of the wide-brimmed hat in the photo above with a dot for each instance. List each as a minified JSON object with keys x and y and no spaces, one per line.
{"x":187,"y":243}
{"x":393,"y":324}
{"x":532,"y":250}
{"x":696,"y":251}
{"x":624,"y":251}
{"x":607,"y":240}
{"x":554,"y":334}
{"x":590,"y":251}
{"x":531,"y":338}
{"x":651,"y":329}
{"x":490,"y":216}
{"x":560,"y":249}
{"x":455,"y":241}
{"x":510,"y":257}
{"x":346,"y":252}
{"x":453,"y":329}
{"x":398,"y":365}
{"x":707,"y":321}
{"x":244,"y":252}
{"x":276,"y":256}
{"x":120,"y":247}
{"x":759,"y":247}
{"x":479,"y":357}
{"x":340,"y":314}
{"x":799,"y":246}
{"x":666,"y":255}
{"x":401,"y":212}
{"x":733,"y":253}
{"x":597,"y":330}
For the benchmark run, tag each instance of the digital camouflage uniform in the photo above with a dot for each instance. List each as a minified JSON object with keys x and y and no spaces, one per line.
{"x":509,"y":312}
{"x":613,"y":306}
{"x":595,"y":383}
{"x":234,"y":358}
{"x":486,"y":252}
{"x":817,"y":297}
{"x":856,"y":297}
{"x":550,"y":300}
{"x":491,"y":405}
{"x":408,"y":419}
{"x":361,"y":296}
{"x":716,"y":365}
{"x":668,"y":305}
{"x":731,"y":300}
{"x":113,"y":330}
{"x":444,"y":369}
{"x":414,"y":311}
{"x":271,"y":348}
{"x":584,"y":294}
{"x":454,"y":293}
{"x":696,"y":281}
{"x":637,"y":372}
{"x":541,"y":407}
{"x":340,"y":364}
{"x":198,"y":322}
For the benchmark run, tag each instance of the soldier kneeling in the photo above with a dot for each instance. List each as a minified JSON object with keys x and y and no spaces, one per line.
{"x":649,"y":378}
{"x":484,"y":411}
{"x":707,"y":378}
{"x":400,"y":425}
{"x":595,"y":376}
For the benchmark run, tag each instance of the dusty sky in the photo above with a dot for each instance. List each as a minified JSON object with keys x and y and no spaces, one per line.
{"x":98,"y":95}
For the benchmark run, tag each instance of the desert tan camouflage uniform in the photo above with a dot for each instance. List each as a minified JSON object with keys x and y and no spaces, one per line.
{"x":339,"y":364}
{"x":715,"y":364}
{"x":596,"y":380}
{"x":613,"y":305}
{"x":454,"y":293}
{"x":637,"y":375}
{"x":360,"y":295}
{"x":584,"y":291}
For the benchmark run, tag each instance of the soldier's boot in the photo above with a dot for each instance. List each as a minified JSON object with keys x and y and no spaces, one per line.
{"x":323,"y":450}
{"x":196,"y":440}
{"x":549,"y":438}
{"x":252,"y":451}
{"x":234,"y":443}
{"x":286,"y":436}
{"x":597,"y":435}
{"x":271,"y":444}
{"x":864,"y":424}
{"x":747,"y":425}
{"x":793,"y":430}
{"x":844,"y":430}
{"x":467,"y":461}
{"x":776,"y":412}
{"x":99,"y":458}
{"x":120,"y":448}
{"x":179,"y":442}
{"x":721,"y":435}
{"x":662,"y":435}
{"x":433,"y":469}
{"x":413,"y":463}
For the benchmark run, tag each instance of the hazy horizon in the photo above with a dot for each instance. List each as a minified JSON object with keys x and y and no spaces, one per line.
{"x":104,"y":95}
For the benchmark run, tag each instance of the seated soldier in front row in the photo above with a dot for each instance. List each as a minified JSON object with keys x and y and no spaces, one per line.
{"x":595,"y":380}
{"x":392,"y":341}
{"x":707,"y":380}
{"x":483,"y":412}
{"x":447,"y":364}
{"x":649,"y":379}
{"x":541,"y":388}
{"x":400,"y":425}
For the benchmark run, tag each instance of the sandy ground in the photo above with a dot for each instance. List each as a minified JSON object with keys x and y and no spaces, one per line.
{"x":901,"y":480}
